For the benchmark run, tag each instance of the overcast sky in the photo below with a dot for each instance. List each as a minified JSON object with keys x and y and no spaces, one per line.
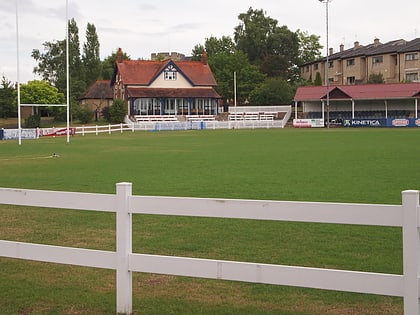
{"x":141,"y":27}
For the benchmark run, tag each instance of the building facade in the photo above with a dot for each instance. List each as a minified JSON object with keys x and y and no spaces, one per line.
{"x":396,"y":61}
{"x":165,"y":87}
{"x":98,"y":96}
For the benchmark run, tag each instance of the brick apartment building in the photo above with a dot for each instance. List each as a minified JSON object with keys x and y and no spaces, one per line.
{"x":397,"y":61}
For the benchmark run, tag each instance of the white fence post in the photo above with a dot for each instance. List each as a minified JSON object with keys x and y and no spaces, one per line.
{"x":411,"y":251}
{"x":124,"y":249}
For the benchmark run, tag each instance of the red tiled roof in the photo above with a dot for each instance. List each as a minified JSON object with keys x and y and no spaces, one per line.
{"x":173,"y":92}
{"x":101,"y":89}
{"x":143,"y":72}
{"x":359,"y":92}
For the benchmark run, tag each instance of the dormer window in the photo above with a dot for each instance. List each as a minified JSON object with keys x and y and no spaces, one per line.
{"x":170,"y":73}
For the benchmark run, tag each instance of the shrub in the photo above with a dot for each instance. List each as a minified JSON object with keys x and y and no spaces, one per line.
{"x":117,"y":111}
{"x":85,"y":115}
{"x":33,"y":121}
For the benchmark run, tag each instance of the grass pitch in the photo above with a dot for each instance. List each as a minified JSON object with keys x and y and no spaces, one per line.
{"x":338,"y":165}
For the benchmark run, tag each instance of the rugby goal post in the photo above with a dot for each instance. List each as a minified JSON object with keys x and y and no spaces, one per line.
{"x":67,"y":77}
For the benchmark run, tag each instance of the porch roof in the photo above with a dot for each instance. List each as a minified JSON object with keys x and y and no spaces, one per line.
{"x":359,"y":92}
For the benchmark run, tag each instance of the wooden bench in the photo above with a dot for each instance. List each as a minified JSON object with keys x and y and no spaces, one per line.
{"x":144,"y":118}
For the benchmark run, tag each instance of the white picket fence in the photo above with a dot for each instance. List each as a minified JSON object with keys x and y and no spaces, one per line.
{"x":125,"y":262}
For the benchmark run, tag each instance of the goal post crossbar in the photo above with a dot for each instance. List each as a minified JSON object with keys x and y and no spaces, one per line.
{"x":41,"y":105}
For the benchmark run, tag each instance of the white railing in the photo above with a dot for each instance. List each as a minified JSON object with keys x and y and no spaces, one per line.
{"x":105,"y":128}
{"x":125,"y":262}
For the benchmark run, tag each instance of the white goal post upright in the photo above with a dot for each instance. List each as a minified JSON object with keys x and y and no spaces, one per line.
{"x":67,"y":105}
{"x":67,"y":73}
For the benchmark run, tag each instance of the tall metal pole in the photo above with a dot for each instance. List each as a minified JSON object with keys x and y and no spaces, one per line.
{"x":327,"y":81}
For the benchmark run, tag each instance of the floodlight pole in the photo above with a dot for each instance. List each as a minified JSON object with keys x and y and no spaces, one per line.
{"x":327,"y":81}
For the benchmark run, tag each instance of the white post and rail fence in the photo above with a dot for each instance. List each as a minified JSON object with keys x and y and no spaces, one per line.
{"x":125,"y":262}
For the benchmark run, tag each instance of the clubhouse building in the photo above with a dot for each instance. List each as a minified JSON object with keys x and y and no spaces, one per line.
{"x":165,"y":87}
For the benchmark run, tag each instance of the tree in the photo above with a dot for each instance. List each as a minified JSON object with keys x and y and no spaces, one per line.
{"x":51,"y":64}
{"x":8,"y":105}
{"x":254,"y":33}
{"x":91,"y":59}
{"x":275,"y":65}
{"x":376,"y":78}
{"x":318,"y":79}
{"x":309,"y":47}
{"x":84,"y":114}
{"x":274,"y":48}
{"x":274,"y":91}
{"x":214,"y":46}
{"x":108,"y":65}
{"x":248,"y":76}
{"x":40,"y":92}
{"x":117,"y":111}
{"x":77,"y":72}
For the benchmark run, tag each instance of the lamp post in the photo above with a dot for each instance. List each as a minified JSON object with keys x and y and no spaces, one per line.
{"x":327,"y":81}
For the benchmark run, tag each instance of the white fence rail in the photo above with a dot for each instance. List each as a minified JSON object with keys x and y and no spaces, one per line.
{"x":106,"y":128}
{"x":125,"y":262}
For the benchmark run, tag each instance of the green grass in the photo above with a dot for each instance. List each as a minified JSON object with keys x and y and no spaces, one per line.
{"x":338,"y":165}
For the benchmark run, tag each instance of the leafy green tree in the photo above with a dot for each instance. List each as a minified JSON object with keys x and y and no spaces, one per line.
{"x":8,"y":105}
{"x":40,"y":92}
{"x":309,"y":47}
{"x":33,"y":121}
{"x":108,"y":65}
{"x":318,"y":79}
{"x":275,"y":65}
{"x":91,"y":59}
{"x":274,"y":48}
{"x":51,"y":64}
{"x":117,"y":111}
{"x":254,"y":34}
{"x":376,"y":78}
{"x":77,"y":71}
{"x":274,"y":91}
{"x":248,"y":76}
{"x":84,"y":114}
{"x":214,"y":46}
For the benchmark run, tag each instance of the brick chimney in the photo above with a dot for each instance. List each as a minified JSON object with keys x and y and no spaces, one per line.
{"x":356,"y":44}
{"x":341,"y":47}
{"x":204,"y":57}
{"x":376,"y":42}
{"x":331,"y":51}
{"x":120,"y":55}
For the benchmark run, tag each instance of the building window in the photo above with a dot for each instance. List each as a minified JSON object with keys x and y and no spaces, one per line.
{"x":170,"y":73}
{"x":351,"y":80}
{"x":412,"y":77}
{"x":378,"y":59}
{"x":316,"y":66}
{"x":351,"y":62}
{"x":413,"y":56}
{"x":330,"y":64}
